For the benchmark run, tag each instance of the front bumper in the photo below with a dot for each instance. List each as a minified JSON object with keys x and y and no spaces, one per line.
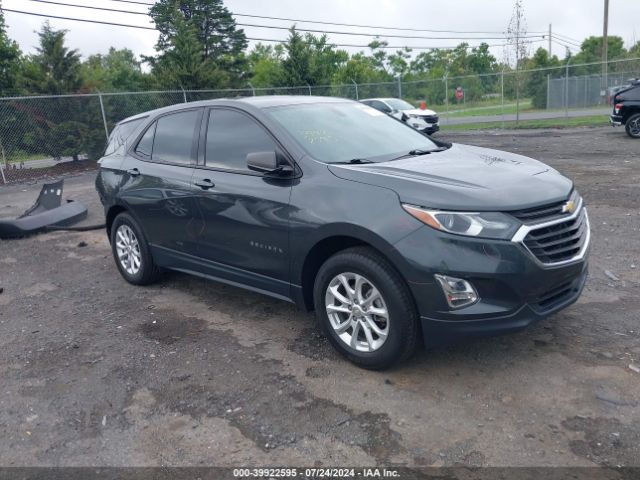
{"x":515,"y":289}
{"x":438,"y":332}
{"x":432,"y":129}
{"x":616,"y":120}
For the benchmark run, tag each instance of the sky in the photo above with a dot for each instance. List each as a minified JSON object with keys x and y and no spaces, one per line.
{"x":572,"y":19}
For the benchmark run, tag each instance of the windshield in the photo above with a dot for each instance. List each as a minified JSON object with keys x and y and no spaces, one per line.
{"x":340,"y":132}
{"x":398,"y":104}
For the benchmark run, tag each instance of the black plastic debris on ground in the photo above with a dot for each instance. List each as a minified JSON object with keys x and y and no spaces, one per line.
{"x":48,"y":211}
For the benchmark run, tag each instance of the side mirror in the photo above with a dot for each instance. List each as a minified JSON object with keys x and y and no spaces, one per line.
{"x":265,"y":162}
{"x":262,"y":161}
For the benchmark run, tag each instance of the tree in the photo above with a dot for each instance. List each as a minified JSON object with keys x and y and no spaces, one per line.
{"x":182,"y":63}
{"x":360,"y":68}
{"x":203,"y":29}
{"x":536,"y":85}
{"x":517,"y":48}
{"x":310,"y":60}
{"x":399,"y":62}
{"x":591,"y":49}
{"x":9,"y":60}
{"x":591,"y":52}
{"x":54,"y":69}
{"x":265,"y":65}
{"x":118,"y":70}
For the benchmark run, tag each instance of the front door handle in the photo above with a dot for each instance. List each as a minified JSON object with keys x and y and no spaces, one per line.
{"x":134,"y":172}
{"x":205,"y":184}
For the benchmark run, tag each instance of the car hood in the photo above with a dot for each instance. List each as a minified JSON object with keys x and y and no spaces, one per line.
{"x":465,"y":177}
{"x":419,"y":112}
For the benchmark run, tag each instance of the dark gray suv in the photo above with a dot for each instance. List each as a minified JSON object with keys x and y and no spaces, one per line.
{"x":389,"y":235}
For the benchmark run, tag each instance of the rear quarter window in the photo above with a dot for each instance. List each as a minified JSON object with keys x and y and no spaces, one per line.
{"x":120,"y":135}
{"x":633,"y":94}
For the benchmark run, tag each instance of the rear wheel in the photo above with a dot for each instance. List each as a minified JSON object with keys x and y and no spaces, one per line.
{"x":131,"y":251}
{"x":365,"y":308}
{"x":632,"y":125}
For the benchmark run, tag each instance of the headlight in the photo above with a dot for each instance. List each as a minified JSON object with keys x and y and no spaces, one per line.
{"x":472,"y":224}
{"x":413,"y":115}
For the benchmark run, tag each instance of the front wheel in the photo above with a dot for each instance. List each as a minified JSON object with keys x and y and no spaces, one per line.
{"x":632,"y":125}
{"x":365,"y":309}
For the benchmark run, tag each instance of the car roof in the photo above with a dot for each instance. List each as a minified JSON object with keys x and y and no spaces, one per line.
{"x":260,"y":102}
{"x":382,"y":99}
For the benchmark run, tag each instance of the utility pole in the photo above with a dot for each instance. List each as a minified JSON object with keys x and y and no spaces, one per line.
{"x":549,"y":40}
{"x":605,"y":45}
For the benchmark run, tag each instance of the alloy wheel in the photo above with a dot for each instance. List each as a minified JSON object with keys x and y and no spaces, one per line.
{"x":128,"y":250}
{"x":357,"y":312}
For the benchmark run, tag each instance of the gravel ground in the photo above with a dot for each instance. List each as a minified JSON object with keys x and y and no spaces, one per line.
{"x":96,"y":372}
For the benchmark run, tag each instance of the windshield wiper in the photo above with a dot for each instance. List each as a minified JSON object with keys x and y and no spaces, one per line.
{"x":354,"y":161}
{"x":417,"y":152}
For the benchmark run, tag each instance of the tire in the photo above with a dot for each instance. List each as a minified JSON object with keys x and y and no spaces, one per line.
{"x":125,"y":233}
{"x":366,"y":271}
{"x":632,"y":125}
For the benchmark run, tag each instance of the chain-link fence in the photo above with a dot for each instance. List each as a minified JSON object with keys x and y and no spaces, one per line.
{"x":40,"y":131}
{"x":584,"y":91}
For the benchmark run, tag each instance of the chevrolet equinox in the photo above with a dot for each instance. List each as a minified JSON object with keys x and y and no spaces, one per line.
{"x":390,"y":236}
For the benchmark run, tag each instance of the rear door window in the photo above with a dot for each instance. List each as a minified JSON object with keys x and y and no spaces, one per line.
{"x":175,"y":139}
{"x":172,"y":138}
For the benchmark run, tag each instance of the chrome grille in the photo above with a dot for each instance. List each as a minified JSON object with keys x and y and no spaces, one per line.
{"x":547,"y":212}
{"x":560,"y":241}
{"x":430,"y":118}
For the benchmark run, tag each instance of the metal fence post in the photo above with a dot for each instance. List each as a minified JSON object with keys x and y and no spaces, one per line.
{"x":357,"y":96}
{"x":502,"y":96}
{"x":253,"y":90}
{"x":309,"y":87}
{"x":548,"y":89}
{"x":399,"y":86}
{"x":104,"y":116}
{"x":446,"y":94}
{"x":4,"y":161}
{"x":184,"y":94}
{"x":566,"y":90}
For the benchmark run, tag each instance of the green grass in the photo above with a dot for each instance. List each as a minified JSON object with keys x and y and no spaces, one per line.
{"x":476,"y":109}
{"x":509,"y":108}
{"x":20,"y":156}
{"x":589,"y":121}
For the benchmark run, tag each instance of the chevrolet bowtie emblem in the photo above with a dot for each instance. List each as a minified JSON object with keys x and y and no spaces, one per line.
{"x":569,"y":207}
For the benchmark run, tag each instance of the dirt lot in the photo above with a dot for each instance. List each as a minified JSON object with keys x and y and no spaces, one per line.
{"x":94,"y":371}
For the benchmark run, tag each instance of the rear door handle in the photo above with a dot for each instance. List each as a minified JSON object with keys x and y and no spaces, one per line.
{"x":205,"y":184}
{"x":134,"y":172}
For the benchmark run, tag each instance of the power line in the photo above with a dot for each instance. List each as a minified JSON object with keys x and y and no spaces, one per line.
{"x":90,"y":7}
{"x":136,"y":3}
{"x":274,"y":27}
{"x":394,"y":47}
{"x":564,"y":37}
{"x":265,"y":17}
{"x":76,"y":19}
{"x":568,"y":47}
{"x":365,"y":26}
{"x":570,"y":42}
